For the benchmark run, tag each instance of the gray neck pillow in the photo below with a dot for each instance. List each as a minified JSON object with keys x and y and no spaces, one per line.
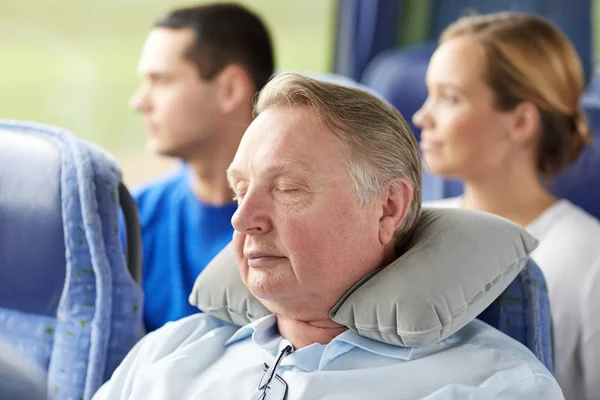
{"x":456,"y":263}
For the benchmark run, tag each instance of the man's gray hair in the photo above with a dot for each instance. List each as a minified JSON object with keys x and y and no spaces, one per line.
{"x":380,"y":145}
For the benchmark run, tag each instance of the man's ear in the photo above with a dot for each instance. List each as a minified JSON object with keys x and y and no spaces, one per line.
{"x":234,"y":88}
{"x":525,"y":122}
{"x":395,"y":204}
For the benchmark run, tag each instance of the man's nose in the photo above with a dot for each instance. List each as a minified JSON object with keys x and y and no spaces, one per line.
{"x":140,"y":100}
{"x":252,"y":216}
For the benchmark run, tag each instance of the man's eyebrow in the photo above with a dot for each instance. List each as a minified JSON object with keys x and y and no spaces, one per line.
{"x":290,"y":167}
{"x":233,"y":174}
{"x":284,"y":168}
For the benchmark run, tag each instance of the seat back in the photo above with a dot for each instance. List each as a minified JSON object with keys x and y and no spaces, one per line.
{"x":578,"y":182}
{"x":399,"y":77}
{"x":67,"y":300}
{"x":523,"y":313}
{"x":19,"y":378}
{"x":573,"y":17}
{"x":363,"y":29}
{"x":590,"y":102}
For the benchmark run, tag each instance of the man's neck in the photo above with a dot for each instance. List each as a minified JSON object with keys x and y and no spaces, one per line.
{"x":305,"y":333}
{"x":209,"y":164}
{"x":517,"y":196}
{"x":209,"y":182}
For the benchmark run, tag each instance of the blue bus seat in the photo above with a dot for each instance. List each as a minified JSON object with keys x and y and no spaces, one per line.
{"x":573,"y":17}
{"x":399,"y":77}
{"x":67,"y":300}
{"x":580,"y":182}
{"x":363,"y":29}
{"x":523,"y":313}
{"x":19,"y":378}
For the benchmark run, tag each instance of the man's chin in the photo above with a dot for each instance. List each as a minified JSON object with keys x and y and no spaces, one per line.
{"x":265,"y":293}
{"x":292,"y":308}
{"x":160,"y":149}
{"x":269,"y":292}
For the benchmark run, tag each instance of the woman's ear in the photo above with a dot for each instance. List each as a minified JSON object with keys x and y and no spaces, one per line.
{"x":525,"y":122}
{"x":395,"y":203}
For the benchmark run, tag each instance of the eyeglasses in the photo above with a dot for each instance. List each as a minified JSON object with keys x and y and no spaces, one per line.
{"x":272,"y":386}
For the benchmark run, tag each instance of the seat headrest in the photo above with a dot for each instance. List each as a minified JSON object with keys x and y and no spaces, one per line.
{"x":456,"y":263}
{"x":32,"y":249}
{"x":399,"y":77}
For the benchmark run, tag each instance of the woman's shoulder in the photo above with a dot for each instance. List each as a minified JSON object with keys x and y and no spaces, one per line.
{"x":565,"y":227}
{"x":566,"y":215}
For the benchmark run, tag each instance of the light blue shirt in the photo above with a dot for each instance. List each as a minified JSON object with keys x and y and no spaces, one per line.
{"x":201,"y":357}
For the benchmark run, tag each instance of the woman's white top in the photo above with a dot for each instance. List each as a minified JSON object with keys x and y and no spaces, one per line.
{"x":569,"y":257}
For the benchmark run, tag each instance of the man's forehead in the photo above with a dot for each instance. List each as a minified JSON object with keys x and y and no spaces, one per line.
{"x":165,"y":47}
{"x":284,"y":141}
{"x":283,"y":128}
{"x":295,"y":125}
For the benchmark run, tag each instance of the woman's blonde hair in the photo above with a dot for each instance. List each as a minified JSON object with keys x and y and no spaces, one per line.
{"x":529,"y":59}
{"x":379,"y":145}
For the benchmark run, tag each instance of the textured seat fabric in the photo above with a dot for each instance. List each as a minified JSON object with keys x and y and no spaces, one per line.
{"x":67,"y":301}
{"x":523,"y":313}
{"x":19,"y":378}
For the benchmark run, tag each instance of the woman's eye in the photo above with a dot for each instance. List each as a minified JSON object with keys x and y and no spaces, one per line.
{"x":450,"y":99}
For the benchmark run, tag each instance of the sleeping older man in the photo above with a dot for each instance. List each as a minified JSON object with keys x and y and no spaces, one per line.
{"x":327,"y":180}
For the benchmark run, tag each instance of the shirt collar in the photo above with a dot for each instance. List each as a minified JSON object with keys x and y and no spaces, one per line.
{"x":265,"y":334}
{"x":373,"y":346}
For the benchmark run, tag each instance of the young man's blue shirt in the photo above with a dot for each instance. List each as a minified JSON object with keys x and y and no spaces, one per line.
{"x":180,"y":236}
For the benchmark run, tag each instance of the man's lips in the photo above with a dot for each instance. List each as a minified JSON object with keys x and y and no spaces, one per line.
{"x":258,"y":259}
{"x":150,"y":127}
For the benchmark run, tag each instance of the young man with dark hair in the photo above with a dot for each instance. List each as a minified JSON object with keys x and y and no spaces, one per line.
{"x":201,"y":68}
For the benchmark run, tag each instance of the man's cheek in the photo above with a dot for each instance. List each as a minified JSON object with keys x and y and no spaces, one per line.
{"x":238,"y":247}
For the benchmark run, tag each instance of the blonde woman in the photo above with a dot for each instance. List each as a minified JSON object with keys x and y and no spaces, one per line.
{"x":503,"y":115}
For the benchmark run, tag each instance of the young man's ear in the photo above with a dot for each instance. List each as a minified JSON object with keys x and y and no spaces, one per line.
{"x":234,"y":87}
{"x":395,"y":202}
